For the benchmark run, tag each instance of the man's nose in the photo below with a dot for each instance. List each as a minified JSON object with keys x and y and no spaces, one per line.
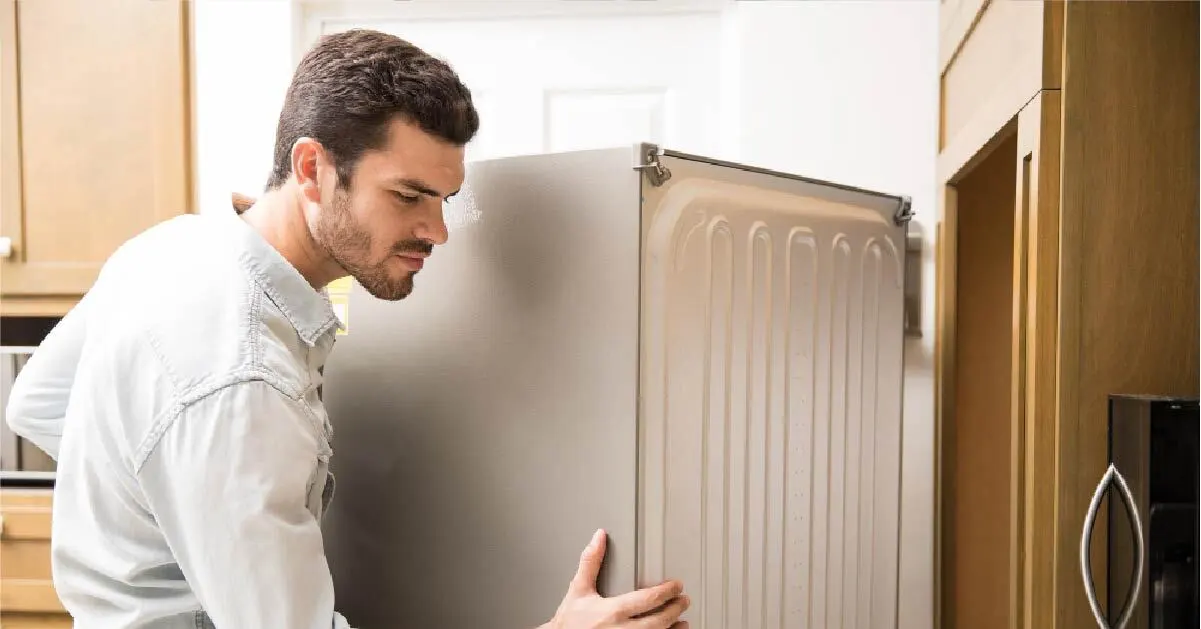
{"x":433,"y":229}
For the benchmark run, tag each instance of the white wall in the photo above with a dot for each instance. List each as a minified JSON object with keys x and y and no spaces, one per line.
{"x":845,"y":91}
{"x":243,"y":61}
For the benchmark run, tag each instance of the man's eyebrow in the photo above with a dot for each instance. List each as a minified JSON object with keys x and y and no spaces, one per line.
{"x":420,"y":186}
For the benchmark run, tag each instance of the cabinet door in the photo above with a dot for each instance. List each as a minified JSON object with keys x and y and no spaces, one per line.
{"x":94,"y":137}
{"x":27,"y":596}
{"x":993,"y":58}
{"x":1129,"y":249}
{"x":1035,"y":320}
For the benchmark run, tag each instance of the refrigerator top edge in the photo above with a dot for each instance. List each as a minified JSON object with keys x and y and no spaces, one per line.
{"x":647,"y":157}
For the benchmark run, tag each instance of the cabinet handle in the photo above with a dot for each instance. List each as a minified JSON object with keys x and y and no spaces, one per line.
{"x":1112,"y":474}
{"x":6,"y":247}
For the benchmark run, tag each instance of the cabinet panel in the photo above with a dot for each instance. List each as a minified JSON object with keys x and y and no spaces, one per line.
{"x":998,"y":319}
{"x":1035,"y":322}
{"x":1010,"y":52}
{"x":27,"y":596}
{"x":955,"y":20}
{"x":37,"y":621}
{"x":999,"y":59}
{"x":1129,"y":234}
{"x":1103,"y":280}
{"x":94,"y":133}
{"x":976,"y":296}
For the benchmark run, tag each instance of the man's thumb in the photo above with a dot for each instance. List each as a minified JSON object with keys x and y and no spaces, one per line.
{"x":590,"y":564}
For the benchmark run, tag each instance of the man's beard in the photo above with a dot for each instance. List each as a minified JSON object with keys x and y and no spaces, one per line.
{"x":350,"y":246}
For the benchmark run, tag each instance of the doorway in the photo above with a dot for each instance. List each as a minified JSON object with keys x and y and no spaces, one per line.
{"x":551,"y":73}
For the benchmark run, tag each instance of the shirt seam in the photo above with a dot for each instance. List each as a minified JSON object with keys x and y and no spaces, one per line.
{"x":210,"y":387}
{"x":254,"y":325}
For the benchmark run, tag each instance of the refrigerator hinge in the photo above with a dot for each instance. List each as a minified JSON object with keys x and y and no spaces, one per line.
{"x":648,"y":161}
{"x":904,"y":211}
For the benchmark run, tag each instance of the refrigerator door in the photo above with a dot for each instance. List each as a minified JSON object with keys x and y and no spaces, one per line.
{"x":771,"y":383}
{"x":485,"y":426}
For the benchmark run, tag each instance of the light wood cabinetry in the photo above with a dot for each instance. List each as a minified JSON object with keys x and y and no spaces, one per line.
{"x":1067,"y":271}
{"x":94,"y":139}
{"x":27,"y":597}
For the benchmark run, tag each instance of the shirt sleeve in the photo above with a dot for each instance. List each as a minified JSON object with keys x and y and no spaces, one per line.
{"x":228,"y":484}
{"x":37,"y":402}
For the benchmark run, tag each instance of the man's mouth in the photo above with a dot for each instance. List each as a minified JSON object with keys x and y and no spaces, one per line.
{"x":414,"y":261}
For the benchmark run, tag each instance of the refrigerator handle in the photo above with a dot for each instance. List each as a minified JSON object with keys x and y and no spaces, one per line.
{"x":1112,"y":474}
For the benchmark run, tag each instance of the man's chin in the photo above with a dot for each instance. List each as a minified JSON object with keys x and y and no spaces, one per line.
{"x":390,"y":290}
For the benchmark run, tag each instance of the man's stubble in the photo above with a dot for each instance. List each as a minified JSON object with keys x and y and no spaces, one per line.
{"x":349,"y":244}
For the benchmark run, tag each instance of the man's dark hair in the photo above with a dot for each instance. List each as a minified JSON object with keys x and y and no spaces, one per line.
{"x":352,"y":84}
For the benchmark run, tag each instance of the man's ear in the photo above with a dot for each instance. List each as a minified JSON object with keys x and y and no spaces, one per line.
{"x":307,"y":157}
{"x":242,"y":202}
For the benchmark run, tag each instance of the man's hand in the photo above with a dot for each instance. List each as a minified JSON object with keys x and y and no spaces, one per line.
{"x":657,"y":607}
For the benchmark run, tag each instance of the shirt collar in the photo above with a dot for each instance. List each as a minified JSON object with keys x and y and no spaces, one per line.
{"x":308,"y":309}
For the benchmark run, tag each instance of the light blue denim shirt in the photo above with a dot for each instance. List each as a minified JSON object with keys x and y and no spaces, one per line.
{"x":180,"y":401}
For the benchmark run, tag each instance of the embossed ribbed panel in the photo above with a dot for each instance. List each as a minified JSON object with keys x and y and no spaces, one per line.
{"x":770,"y":433}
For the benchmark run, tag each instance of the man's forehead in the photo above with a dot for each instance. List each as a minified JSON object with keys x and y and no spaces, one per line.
{"x":420,"y":161}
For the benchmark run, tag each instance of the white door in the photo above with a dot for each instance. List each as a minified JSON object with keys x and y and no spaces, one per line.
{"x":556,"y":82}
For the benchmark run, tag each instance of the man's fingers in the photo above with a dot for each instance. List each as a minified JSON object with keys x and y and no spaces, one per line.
{"x":648,"y":599}
{"x":664,"y":618}
{"x":584,"y":582}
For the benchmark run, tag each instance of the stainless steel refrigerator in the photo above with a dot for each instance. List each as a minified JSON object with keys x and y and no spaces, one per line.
{"x":703,"y":358}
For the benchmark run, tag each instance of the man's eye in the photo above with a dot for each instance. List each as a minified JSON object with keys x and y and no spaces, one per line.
{"x":407,"y":198}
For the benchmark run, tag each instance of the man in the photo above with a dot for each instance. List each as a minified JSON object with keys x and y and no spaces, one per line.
{"x":180,"y":396}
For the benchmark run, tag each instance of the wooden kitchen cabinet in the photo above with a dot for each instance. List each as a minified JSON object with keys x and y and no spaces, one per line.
{"x":994,"y":55}
{"x":94,"y":139}
{"x":27,"y":597}
{"x":1067,"y":271}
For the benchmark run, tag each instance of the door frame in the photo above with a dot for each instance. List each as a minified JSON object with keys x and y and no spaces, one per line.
{"x":311,"y":16}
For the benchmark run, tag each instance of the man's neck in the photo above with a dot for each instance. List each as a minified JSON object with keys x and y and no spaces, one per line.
{"x":278,"y":216}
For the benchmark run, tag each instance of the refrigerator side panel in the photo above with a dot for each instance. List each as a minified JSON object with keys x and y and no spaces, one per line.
{"x":485,"y":426}
{"x":770,"y":437}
